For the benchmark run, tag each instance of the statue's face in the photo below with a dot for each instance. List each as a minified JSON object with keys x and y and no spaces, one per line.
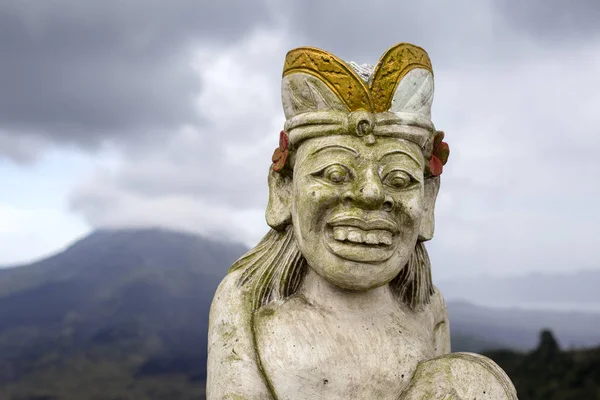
{"x":357,"y":208}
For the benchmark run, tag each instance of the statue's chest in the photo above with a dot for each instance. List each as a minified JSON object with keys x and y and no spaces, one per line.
{"x":307,"y":354}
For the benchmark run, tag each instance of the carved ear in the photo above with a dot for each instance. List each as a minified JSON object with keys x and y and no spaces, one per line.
{"x":432,"y":186}
{"x":279,"y":213}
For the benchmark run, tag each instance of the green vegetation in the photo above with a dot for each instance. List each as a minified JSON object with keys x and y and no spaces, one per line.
{"x":115,"y":371}
{"x":551,"y":374}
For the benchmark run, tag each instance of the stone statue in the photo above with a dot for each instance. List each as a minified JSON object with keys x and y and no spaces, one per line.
{"x":336,"y":301}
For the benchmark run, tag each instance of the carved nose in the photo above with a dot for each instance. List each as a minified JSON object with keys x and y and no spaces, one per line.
{"x":369,"y":193}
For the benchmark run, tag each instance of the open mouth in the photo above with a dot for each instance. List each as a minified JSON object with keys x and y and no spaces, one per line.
{"x":356,"y":235}
{"x":361,"y":240}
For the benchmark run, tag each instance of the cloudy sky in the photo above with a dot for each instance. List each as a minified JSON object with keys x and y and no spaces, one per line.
{"x":144,"y":113}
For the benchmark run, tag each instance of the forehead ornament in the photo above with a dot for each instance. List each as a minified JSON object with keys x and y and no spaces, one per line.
{"x":361,"y":123}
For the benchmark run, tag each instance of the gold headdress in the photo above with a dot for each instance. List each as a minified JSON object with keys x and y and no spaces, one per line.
{"x":323,"y":95}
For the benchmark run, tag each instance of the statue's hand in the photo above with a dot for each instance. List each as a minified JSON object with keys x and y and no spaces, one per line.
{"x":438,"y":390}
{"x":459,"y":376}
{"x":452,"y":396}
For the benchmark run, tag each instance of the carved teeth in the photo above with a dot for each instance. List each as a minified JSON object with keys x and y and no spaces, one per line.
{"x":340,"y":234}
{"x":356,"y":235}
{"x":385,"y":238}
{"x":371,"y":238}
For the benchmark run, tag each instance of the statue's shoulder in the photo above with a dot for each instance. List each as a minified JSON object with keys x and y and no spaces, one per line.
{"x":231,"y":303}
{"x":286,"y":311}
{"x":437,"y":305}
{"x":440,"y":322}
{"x":232,"y":362}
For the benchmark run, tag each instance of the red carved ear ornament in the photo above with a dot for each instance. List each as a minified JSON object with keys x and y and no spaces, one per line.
{"x":439,"y":156}
{"x":280,"y":154}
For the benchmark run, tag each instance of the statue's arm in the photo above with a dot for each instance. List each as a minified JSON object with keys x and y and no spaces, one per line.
{"x":441,"y":330}
{"x":233,"y":372}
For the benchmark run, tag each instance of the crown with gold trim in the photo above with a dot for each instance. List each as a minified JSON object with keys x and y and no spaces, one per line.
{"x":322,"y":95}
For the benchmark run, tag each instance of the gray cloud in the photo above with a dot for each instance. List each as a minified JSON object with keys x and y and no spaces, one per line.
{"x":556,"y":21}
{"x":22,"y":149}
{"x":518,"y":194}
{"x":83,"y":71}
{"x":453,"y":33}
{"x":222,"y":160}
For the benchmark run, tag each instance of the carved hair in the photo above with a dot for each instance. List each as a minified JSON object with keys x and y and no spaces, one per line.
{"x":275,"y":268}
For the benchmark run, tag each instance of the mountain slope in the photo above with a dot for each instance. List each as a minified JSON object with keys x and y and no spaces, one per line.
{"x":129,"y":299}
{"x":568,"y":290}
{"x":518,"y":328}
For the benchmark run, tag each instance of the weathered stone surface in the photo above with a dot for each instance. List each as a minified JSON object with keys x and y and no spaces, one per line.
{"x":336,"y":301}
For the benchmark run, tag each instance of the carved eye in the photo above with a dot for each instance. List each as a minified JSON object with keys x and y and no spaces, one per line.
{"x":398,"y":179}
{"x":336,"y":174}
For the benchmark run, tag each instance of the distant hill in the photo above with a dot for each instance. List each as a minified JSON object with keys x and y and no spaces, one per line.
{"x":474,"y":342}
{"x":123,"y":314}
{"x":576,"y":290}
{"x":114,"y":308}
{"x":518,"y":329}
